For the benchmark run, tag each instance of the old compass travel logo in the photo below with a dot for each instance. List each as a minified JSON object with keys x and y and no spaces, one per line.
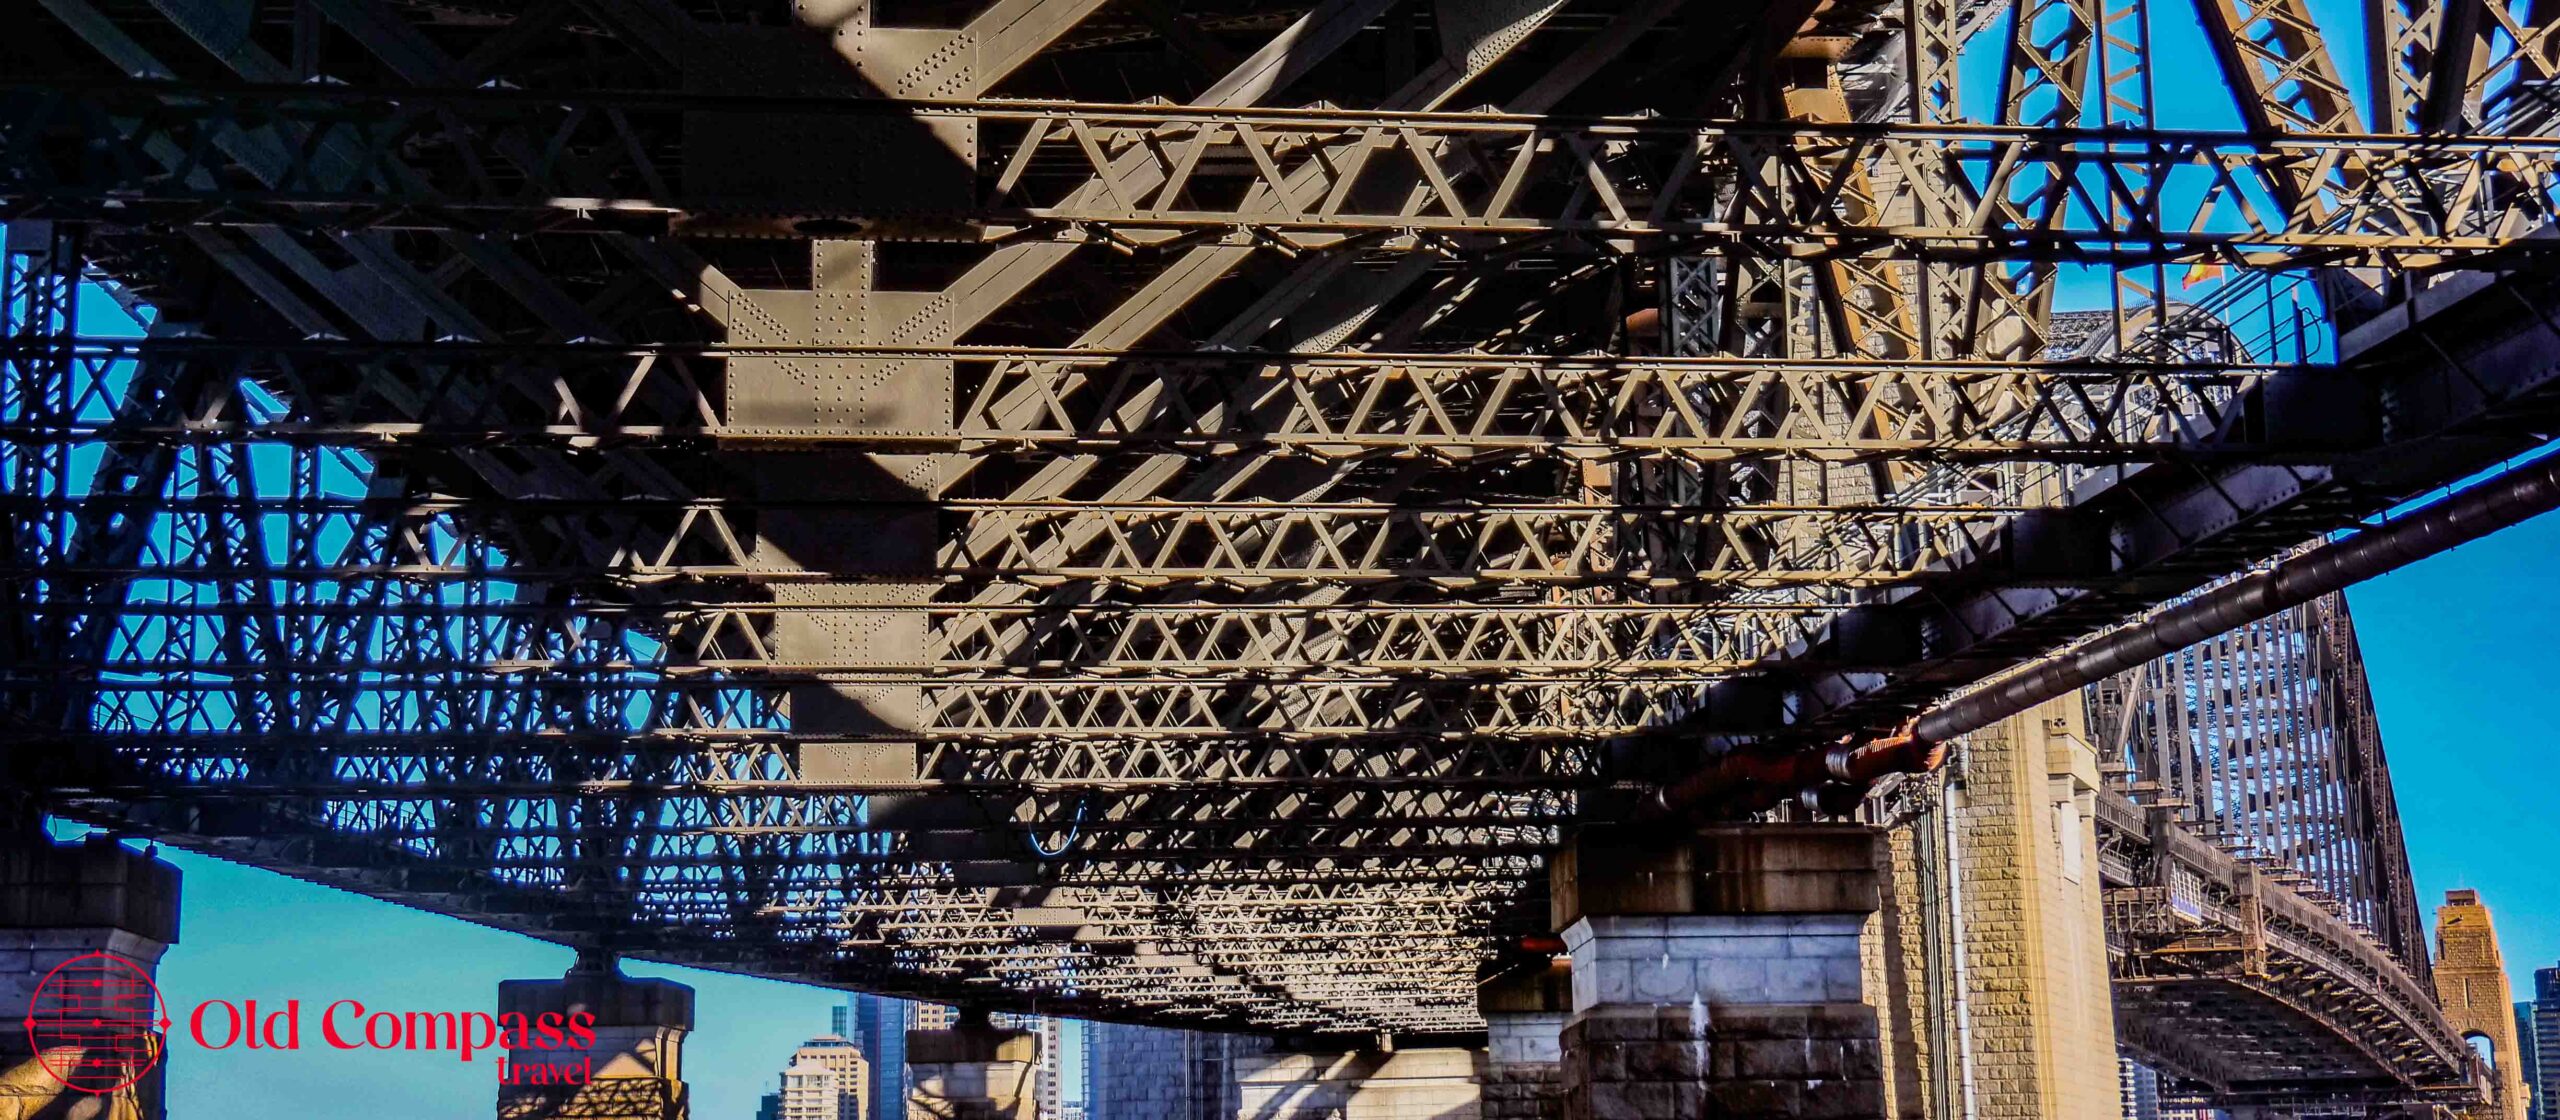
{"x":96,"y":1023}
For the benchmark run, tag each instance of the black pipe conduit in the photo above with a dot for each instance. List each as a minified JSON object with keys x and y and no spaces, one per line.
{"x":1840,"y":775}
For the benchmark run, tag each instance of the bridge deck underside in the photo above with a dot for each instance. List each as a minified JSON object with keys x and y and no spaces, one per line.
{"x":2248,"y":1039}
{"x":1175,"y":519}
{"x":2242,"y":988}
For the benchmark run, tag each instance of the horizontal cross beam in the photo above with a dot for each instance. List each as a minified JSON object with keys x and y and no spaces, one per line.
{"x":1448,"y":407}
{"x":95,"y":152}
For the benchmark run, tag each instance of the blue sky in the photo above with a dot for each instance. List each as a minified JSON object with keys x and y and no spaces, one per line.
{"x":248,"y":933}
{"x":2460,"y":650}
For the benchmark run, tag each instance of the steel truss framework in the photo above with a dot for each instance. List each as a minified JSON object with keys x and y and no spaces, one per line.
{"x":1167,"y":513}
{"x":2249,"y":989}
{"x":1303,"y":179}
{"x":2263,"y":744}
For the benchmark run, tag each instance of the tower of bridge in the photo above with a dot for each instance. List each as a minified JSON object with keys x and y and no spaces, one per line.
{"x":2002,"y":872}
{"x":2471,"y":980}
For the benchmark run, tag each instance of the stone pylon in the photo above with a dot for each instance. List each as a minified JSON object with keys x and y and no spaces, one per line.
{"x":79,"y":923}
{"x":2042,"y":1017}
{"x":2471,"y":982}
{"x":634,"y":1070}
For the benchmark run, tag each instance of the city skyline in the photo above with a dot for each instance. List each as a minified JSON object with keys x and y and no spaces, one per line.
{"x":874,"y":1027}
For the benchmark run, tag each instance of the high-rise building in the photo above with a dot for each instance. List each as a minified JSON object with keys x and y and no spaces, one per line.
{"x":1052,"y":1069}
{"x":2529,"y":1059}
{"x":1080,"y":1081}
{"x":1073,"y":1070}
{"x":878,"y":1024}
{"x":2140,"y":1087}
{"x":932,"y":1017}
{"x":1071,"y":1043}
{"x":1090,"y":1087}
{"x":827,"y":1080}
{"x":2539,"y":1045}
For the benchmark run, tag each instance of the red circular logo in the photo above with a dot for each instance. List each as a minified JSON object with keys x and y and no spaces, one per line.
{"x":95,"y":1023}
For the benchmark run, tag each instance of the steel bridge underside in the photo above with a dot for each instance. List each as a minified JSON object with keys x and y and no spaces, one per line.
{"x":2234,"y":980}
{"x":1160,"y":545}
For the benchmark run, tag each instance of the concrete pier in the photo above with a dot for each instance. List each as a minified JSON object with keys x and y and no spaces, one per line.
{"x":61,"y":907}
{"x":634,"y":1070}
{"x":1717,"y":973}
{"x":974,"y":1071}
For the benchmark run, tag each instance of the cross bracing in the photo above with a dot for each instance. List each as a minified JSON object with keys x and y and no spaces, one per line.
{"x":812,"y":503}
{"x":1340,"y":406}
{"x":1145,"y":175}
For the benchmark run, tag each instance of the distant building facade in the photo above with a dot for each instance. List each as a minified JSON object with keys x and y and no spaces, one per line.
{"x":1079,"y":1102}
{"x":2529,"y":1059}
{"x":878,"y":1025}
{"x":2139,"y":1085}
{"x":1052,"y":1069}
{"x":2538,"y":1044}
{"x":828,"y":1079}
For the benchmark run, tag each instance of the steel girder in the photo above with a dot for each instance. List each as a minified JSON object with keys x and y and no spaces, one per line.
{"x":1299,"y":179}
{"x":2163,"y":532}
{"x":742,"y":871}
{"x":2439,"y":67}
{"x":970,"y":643}
{"x":1469,"y":407}
{"x":1151,"y":544}
{"x":2278,"y":706}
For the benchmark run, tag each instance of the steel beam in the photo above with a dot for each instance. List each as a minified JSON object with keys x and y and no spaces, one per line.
{"x":1493,"y":179}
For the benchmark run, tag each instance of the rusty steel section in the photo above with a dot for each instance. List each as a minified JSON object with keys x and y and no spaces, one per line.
{"x":1170,"y":512}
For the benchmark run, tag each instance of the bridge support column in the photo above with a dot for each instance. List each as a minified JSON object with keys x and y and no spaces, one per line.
{"x":633,"y":1071}
{"x":58,"y":905}
{"x":1717,"y":973}
{"x":2039,"y":1027}
{"x":974,"y":1071}
{"x":2471,"y":983}
{"x":1428,"y":1084}
{"x":1524,"y":1017}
